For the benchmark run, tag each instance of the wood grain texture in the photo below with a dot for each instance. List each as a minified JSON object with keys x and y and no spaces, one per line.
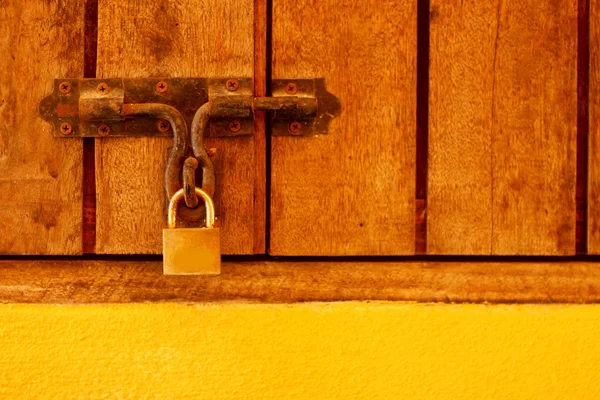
{"x":81,"y":281}
{"x":593,"y":210}
{"x":503,"y":108}
{"x":352,"y":191}
{"x":459,"y":209}
{"x":40,"y":176}
{"x":193,"y":38}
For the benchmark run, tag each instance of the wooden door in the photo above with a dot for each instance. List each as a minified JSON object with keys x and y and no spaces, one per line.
{"x":496,"y":139}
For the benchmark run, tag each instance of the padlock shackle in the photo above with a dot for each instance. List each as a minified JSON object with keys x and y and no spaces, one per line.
{"x":174,"y":204}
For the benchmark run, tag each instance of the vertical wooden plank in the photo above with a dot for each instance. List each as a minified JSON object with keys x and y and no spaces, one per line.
{"x":535,"y":132}
{"x":593,"y":211}
{"x":352,"y":191}
{"x":503,"y":108}
{"x":203,"y":38}
{"x":459,"y":203}
{"x":40,"y":176}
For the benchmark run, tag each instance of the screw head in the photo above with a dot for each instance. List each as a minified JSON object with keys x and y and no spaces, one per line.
{"x":66,"y":128}
{"x":103,"y":130}
{"x":212,"y":153}
{"x":232,"y":85}
{"x":291,"y":88}
{"x":102,"y":88}
{"x":235,"y":125}
{"x":295,"y":127}
{"x":162,"y":87}
{"x":163,"y":125}
{"x":64,"y":87}
{"x":191,"y":162}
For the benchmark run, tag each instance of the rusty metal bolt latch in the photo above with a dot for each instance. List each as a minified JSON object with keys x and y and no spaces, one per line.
{"x":297,"y":106}
{"x":116,"y":107}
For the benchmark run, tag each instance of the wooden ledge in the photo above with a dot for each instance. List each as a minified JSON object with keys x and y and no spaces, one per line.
{"x":85,"y":281}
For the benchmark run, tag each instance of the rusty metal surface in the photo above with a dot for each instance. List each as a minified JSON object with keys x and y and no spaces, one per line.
{"x":85,"y":107}
{"x":300,"y":107}
{"x":229,"y":103}
{"x":176,"y":174}
{"x":162,"y":107}
{"x":307,"y":91}
{"x":173,"y":179}
{"x":197,"y":133}
{"x":184,"y":94}
{"x":219,"y":107}
{"x":189,"y":182}
{"x":62,"y":107}
{"x":289,"y":107}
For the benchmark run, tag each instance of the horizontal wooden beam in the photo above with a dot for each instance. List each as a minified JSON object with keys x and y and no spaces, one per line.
{"x":101,"y":281}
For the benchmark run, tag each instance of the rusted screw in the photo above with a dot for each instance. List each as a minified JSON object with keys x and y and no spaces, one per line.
{"x":162,"y":87}
{"x":291,"y":88}
{"x":66,"y":128}
{"x":64,"y":87}
{"x":235,"y":125}
{"x":232,"y":85}
{"x":191,"y":163}
{"x":212,"y":153}
{"x":102,"y":88}
{"x":103,"y":130}
{"x":295,"y":127}
{"x":163,"y":125}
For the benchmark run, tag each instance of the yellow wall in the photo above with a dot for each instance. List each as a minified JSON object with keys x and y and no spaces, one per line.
{"x":302,"y":351}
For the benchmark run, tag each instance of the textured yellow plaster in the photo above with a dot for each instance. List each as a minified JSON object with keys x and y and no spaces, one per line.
{"x":301,"y":351}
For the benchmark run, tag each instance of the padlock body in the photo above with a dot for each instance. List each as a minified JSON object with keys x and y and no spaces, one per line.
{"x":191,"y":251}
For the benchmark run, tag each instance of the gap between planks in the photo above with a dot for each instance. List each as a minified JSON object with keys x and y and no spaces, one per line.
{"x":89,"y":144}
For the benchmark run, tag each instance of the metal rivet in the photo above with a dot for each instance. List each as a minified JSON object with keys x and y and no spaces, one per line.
{"x":102,"y":88}
{"x":291,"y":88}
{"x":232,"y":85}
{"x":66,"y":128}
{"x":162,"y":87}
{"x":212,"y":153}
{"x":163,"y":125}
{"x":103,"y":130}
{"x":64,"y":87}
{"x":295,"y":127}
{"x":235,"y":125}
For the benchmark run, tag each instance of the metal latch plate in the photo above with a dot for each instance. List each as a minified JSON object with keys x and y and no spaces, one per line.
{"x":300,"y":123}
{"x":98,"y":107}
{"x":88,"y":104}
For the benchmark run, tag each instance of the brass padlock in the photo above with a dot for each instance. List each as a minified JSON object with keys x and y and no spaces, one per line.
{"x":191,"y":251}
